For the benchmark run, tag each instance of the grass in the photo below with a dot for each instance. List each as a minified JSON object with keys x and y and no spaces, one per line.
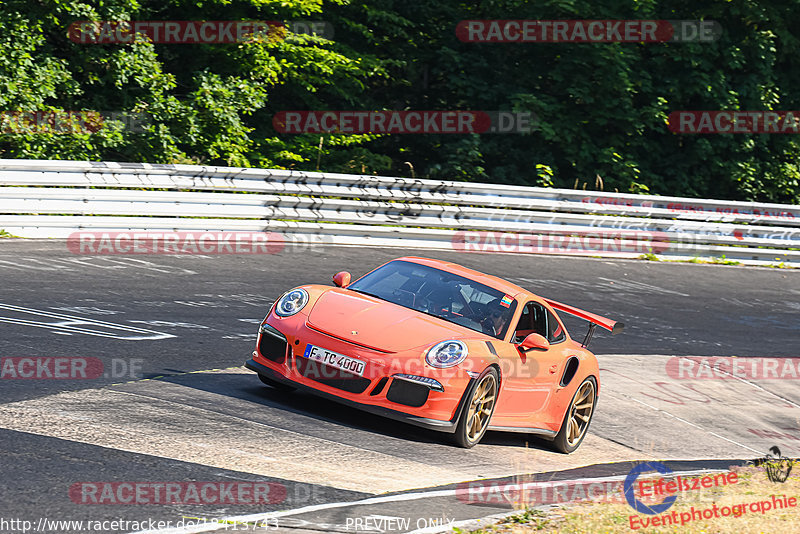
{"x":713,"y":260}
{"x":612,"y":516}
{"x":780,"y":265}
{"x":722,"y":260}
{"x":3,"y":233}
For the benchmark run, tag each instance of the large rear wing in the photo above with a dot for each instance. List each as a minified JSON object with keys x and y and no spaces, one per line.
{"x":595,"y":320}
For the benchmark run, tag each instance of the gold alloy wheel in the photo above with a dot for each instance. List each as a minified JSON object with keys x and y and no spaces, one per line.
{"x":580,"y":413}
{"x":481,"y":407}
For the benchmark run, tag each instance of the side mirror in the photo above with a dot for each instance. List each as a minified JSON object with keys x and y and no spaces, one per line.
{"x":534,"y":342}
{"x":342,"y":279}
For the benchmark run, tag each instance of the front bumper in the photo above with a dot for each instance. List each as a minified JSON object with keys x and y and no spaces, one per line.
{"x":447,"y":426}
{"x":281,"y":356}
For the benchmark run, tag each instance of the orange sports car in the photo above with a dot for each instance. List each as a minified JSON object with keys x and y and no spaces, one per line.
{"x":436,"y":345}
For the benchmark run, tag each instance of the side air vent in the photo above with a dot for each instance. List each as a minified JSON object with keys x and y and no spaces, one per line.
{"x":569,"y":371}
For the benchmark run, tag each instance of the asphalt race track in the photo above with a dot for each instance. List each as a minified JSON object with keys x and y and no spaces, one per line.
{"x":170,"y":402}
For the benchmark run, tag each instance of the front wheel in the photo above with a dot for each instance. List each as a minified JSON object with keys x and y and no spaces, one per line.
{"x":475,"y":417}
{"x":579,"y":415}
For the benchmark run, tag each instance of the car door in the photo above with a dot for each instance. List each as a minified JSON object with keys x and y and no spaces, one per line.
{"x":530,"y":378}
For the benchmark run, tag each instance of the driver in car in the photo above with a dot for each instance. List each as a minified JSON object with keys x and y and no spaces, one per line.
{"x":496,"y":319}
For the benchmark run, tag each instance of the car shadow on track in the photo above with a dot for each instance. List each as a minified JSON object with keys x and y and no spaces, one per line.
{"x":279,"y":407}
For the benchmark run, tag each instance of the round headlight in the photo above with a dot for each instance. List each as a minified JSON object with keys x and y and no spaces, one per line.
{"x":291,"y":303}
{"x":446,"y":354}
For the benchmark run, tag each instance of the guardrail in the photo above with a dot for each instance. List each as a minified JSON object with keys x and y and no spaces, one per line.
{"x":59,"y":198}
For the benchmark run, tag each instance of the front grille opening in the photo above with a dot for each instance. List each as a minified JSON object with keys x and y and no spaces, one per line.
{"x":379,"y":387}
{"x":272,"y":347}
{"x":407,"y":393}
{"x":331,"y":376}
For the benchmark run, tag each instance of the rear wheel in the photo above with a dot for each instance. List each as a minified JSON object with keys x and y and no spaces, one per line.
{"x":277,"y":385}
{"x":475,"y":417}
{"x":578,"y":416}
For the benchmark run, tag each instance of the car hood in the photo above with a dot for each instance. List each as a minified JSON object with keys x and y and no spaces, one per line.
{"x":378,"y":324}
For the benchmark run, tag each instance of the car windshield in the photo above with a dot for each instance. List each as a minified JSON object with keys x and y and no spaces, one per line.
{"x":442,"y":294}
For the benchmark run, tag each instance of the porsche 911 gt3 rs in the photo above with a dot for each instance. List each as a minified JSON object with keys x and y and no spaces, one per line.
{"x":436,"y":345}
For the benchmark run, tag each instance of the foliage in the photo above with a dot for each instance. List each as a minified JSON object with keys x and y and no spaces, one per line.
{"x":601,"y":108}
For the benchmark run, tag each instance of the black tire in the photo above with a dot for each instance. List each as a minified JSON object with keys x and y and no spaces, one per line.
{"x":469,"y":432}
{"x":280,"y":386}
{"x":578,"y":417}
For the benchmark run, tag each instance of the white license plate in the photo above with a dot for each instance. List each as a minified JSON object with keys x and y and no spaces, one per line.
{"x":334,"y":359}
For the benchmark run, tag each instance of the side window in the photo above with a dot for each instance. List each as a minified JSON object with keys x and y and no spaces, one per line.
{"x":555,"y":332}
{"x":532,"y":321}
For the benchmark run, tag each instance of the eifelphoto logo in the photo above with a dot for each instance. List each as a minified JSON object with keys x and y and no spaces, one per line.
{"x":658,"y":496}
{"x":777,"y":466}
{"x":68,"y":368}
{"x":405,"y":122}
{"x":71,"y":122}
{"x":190,"y":243}
{"x":608,"y":242}
{"x":588,"y":31}
{"x":192,"y":31}
{"x":629,"y":487}
{"x":734,"y":122}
